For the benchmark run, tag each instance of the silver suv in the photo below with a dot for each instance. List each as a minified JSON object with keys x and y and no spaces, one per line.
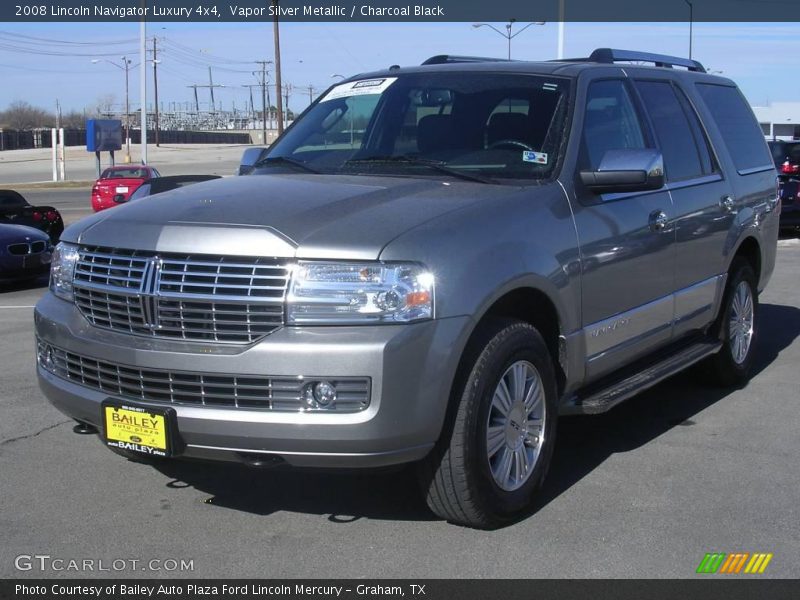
{"x":431,"y":265}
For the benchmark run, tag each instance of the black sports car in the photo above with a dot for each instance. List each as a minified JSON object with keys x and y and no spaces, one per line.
{"x":15,"y":210}
{"x":24,"y":252}
{"x":165,"y":184}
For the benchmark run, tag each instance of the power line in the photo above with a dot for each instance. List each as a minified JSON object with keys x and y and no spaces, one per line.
{"x":50,"y":41}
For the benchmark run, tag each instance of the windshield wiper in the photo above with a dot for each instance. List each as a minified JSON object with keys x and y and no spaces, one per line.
{"x":274,"y":160}
{"x":436,"y":165}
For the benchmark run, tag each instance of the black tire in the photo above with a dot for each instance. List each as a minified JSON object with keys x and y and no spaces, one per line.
{"x":722,"y":369}
{"x":456,"y":476}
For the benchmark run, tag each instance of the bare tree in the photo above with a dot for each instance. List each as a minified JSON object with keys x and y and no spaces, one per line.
{"x":74,"y":119}
{"x":104,"y":105}
{"x":23,"y":115}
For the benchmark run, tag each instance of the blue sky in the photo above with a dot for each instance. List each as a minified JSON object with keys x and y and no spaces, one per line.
{"x":761,"y":57}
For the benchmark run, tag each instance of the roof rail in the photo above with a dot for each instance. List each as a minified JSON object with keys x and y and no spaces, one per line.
{"x":442,"y":59}
{"x":611,"y":55}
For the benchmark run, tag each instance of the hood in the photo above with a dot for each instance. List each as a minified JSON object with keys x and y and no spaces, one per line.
{"x":19,"y":233}
{"x":286,"y":215}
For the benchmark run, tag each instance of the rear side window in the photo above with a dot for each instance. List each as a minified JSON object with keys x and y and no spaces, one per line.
{"x":682,"y":157}
{"x":738,"y":127}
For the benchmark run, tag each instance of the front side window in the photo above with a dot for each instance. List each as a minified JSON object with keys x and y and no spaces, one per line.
{"x":490,"y":127}
{"x":610,"y":122}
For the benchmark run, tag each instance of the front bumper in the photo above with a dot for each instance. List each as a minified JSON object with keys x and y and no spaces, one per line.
{"x":411,"y":368}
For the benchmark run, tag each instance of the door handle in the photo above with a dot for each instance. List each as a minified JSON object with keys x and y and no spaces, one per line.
{"x":727,"y":204}
{"x":658,"y":220}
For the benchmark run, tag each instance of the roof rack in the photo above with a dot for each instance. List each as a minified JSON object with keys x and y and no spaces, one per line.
{"x":442,"y":59}
{"x":611,"y":55}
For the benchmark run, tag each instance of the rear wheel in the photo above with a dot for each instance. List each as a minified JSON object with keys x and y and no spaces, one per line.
{"x":736,"y":327}
{"x":495,"y":455}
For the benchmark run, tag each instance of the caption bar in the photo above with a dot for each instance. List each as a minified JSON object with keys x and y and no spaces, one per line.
{"x":393,"y":10}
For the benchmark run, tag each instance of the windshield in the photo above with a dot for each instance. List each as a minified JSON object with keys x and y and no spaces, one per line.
{"x":482,"y":127}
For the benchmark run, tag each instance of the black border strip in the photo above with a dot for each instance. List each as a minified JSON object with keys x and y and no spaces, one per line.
{"x":711,"y":587}
{"x":400,"y":10}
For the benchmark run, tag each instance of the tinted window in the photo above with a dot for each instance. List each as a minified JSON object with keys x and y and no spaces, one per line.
{"x":681,"y":156}
{"x":700,"y":139}
{"x":610,"y":122}
{"x":736,"y":124}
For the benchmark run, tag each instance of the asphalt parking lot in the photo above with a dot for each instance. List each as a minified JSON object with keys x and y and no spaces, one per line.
{"x":643,"y":491}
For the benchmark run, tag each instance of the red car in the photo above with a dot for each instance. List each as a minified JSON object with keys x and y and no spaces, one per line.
{"x":116,"y":184}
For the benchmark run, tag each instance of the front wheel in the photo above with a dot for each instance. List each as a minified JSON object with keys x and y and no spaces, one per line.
{"x":495,"y":454}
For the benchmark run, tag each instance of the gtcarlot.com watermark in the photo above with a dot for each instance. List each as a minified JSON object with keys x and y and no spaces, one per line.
{"x":45,"y":563}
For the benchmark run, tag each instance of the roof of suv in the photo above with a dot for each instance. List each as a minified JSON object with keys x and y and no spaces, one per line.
{"x":600,"y":58}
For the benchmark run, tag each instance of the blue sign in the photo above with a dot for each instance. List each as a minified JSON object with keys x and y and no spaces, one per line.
{"x":103,"y":135}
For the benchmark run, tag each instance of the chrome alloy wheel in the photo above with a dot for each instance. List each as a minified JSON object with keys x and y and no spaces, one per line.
{"x":740,"y":324}
{"x":515,"y":426}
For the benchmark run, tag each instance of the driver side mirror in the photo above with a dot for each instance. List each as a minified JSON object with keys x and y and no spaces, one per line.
{"x":628,"y":170}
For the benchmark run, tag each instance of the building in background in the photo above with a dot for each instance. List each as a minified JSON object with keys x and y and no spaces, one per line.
{"x":779,"y":120}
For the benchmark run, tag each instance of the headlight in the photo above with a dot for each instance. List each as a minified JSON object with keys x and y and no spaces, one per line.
{"x":356,"y":293}
{"x":62,"y":269}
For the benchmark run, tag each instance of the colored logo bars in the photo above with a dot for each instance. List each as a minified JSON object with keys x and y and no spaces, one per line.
{"x":720,"y":562}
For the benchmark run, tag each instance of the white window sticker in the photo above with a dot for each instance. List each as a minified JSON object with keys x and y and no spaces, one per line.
{"x":359,"y":88}
{"x":534,"y":157}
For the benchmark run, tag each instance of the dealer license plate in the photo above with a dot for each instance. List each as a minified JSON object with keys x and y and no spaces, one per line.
{"x":138,"y":429}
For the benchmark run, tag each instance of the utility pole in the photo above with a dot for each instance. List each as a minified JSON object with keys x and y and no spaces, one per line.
{"x":311,"y":91}
{"x":155,"y":84}
{"x":211,"y":85}
{"x":211,"y":89}
{"x":194,"y":86}
{"x":263,"y":83}
{"x":278,"y":86}
{"x":250,"y":87}
{"x":287,"y":89}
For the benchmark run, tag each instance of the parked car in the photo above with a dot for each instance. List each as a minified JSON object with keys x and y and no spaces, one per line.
{"x":488,"y":246}
{"x":15,"y":210}
{"x":787,"y":161}
{"x":167,"y":184}
{"x":24,"y":252}
{"x":116,"y":184}
{"x":249,"y":159}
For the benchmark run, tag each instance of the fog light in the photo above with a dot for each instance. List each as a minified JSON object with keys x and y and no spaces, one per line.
{"x":320,"y":394}
{"x":324,"y":393}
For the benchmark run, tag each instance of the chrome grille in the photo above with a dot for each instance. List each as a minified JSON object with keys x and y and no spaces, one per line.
{"x":176,"y":387}
{"x":181,"y":296}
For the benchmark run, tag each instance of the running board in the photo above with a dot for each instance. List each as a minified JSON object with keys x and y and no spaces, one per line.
{"x":601,"y":400}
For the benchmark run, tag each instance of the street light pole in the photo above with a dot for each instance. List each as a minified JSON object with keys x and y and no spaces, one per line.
{"x":143,"y":86}
{"x":155,"y":87}
{"x":691,"y":23}
{"x":278,"y":86}
{"x":125,"y":66}
{"x":509,"y":35}
{"x":127,"y":113}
